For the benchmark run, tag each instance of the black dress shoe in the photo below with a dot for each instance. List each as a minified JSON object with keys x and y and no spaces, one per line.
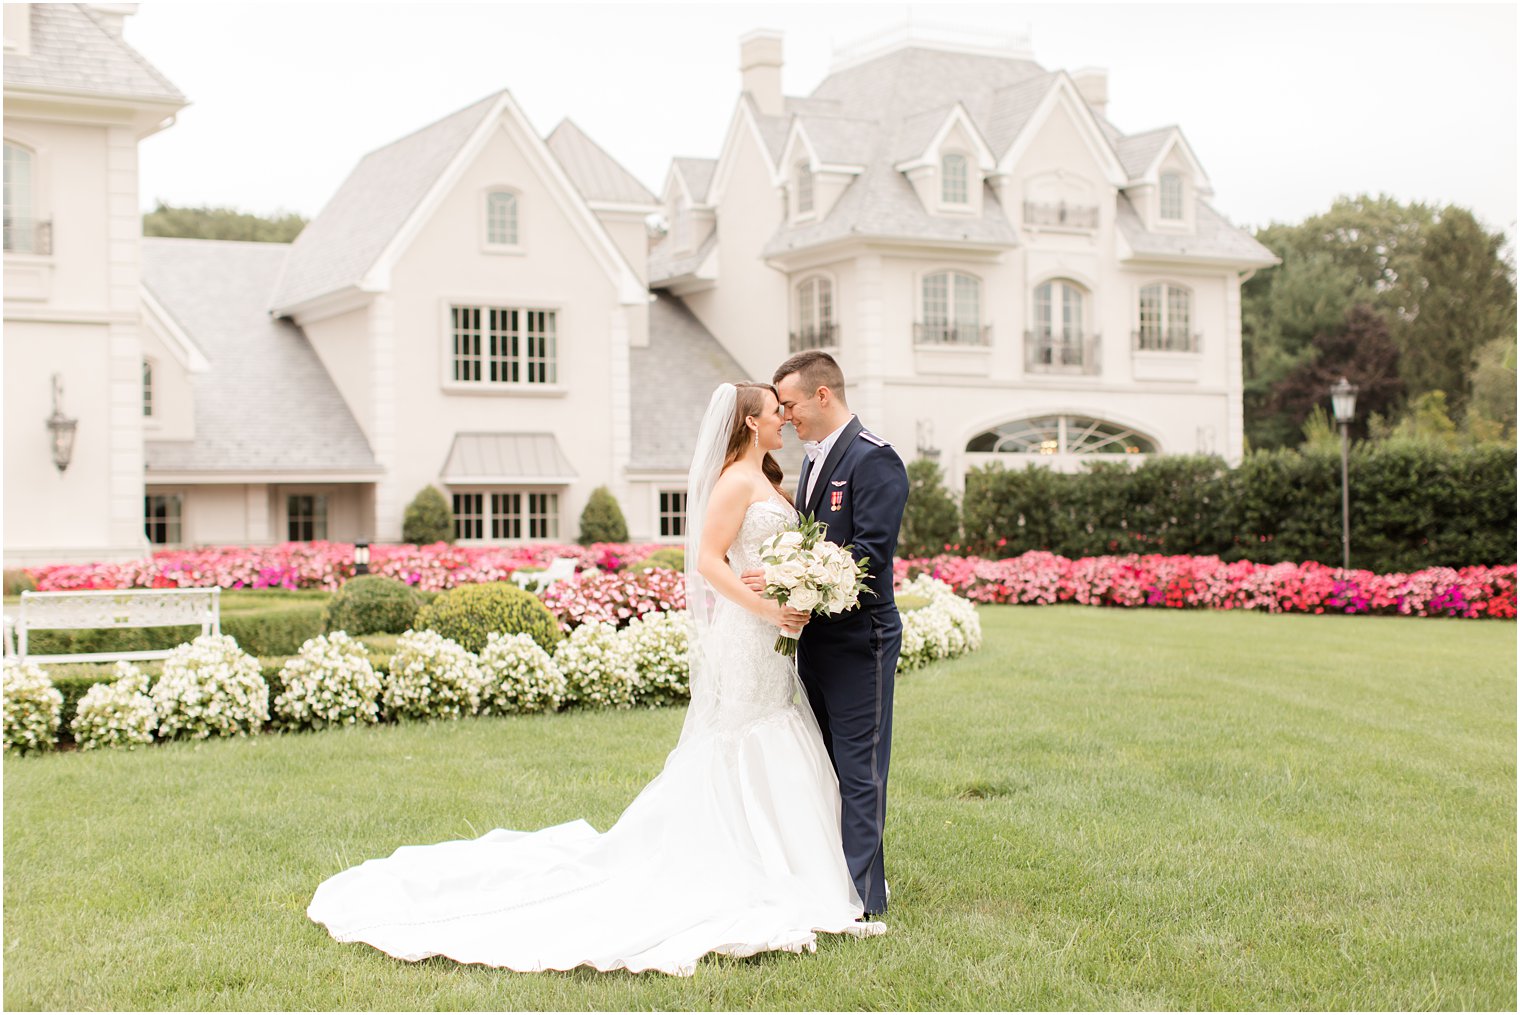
{"x":872,"y":917}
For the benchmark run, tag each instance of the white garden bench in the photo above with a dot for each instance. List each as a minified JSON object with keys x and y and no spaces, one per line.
{"x":559,"y":569}
{"x":75,"y":611}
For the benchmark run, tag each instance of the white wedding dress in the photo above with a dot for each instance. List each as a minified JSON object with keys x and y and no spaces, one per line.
{"x":734,"y":848}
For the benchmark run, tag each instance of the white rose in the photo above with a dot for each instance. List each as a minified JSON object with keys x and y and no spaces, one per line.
{"x":789,"y":540}
{"x":804,"y":598}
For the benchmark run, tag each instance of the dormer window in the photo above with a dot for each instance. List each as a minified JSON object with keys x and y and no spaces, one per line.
{"x":501,"y":218}
{"x":804,"y":189}
{"x":953,"y":187}
{"x":1171,"y":197}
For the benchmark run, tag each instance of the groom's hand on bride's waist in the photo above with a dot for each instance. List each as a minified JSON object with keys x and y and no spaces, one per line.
{"x":754,"y":580}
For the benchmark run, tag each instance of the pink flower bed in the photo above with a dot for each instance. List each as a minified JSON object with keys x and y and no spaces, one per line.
{"x":328,"y":565}
{"x":1033,"y":578}
{"x":1040,"y":578}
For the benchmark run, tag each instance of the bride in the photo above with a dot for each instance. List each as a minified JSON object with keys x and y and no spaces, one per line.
{"x":733,"y":848}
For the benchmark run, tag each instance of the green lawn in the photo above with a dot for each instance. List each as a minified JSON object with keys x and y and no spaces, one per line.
{"x":1101,"y":809}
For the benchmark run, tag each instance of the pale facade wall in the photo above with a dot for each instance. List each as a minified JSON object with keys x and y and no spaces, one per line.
{"x":554,"y":271}
{"x":747,"y":310}
{"x":631,"y":236}
{"x":342,"y":344}
{"x":173,"y":416}
{"x":256,"y":514}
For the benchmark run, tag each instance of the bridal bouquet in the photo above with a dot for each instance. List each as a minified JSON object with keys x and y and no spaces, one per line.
{"x":805,"y":571}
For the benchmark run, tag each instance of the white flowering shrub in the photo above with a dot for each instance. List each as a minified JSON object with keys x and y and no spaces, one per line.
{"x":331,"y":682}
{"x":656,"y":644}
{"x":519,"y":676}
{"x":947,"y":627}
{"x":599,"y":672}
{"x":116,"y":714}
{"x":33,"y":708}
{"x":210,"y":687}
{"x":431,"y":677}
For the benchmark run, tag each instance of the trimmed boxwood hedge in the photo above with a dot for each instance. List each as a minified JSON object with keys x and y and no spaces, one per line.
{"x":469,"y":613}
{"x":278,"y":630}
{"x":1412,"y":506}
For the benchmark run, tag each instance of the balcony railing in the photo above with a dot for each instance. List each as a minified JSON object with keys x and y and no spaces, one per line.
{"x":815,"y":336}
{"x":940,"y":333}
{"x":1062,"y":354}
{"x":28,"y":236}
{"x":1061,"y":215}
{"x":1170,"y":340}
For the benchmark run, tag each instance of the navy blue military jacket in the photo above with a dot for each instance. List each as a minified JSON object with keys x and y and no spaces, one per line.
{"x":860,"y":494}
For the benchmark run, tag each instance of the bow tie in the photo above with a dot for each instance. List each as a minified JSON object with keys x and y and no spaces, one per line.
{"x":813,"y":449}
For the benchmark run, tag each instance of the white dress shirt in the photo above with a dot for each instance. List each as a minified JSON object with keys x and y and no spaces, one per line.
{"x":824,"y":447}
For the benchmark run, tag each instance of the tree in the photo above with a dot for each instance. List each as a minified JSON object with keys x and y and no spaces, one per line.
{"x":1493,"y":386}
{"x":931,"y":519}
{"x":208,"y":223}
{"x":428,"y":518}
{"x":602,"y":520}
{"x":1360,"y":350}
{"x":1468,"y":300}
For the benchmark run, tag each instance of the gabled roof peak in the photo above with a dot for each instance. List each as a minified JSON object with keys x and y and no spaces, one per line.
{"x":1013,"y":45}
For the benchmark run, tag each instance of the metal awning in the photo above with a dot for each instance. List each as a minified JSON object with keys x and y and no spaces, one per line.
{"x":503,"y":458}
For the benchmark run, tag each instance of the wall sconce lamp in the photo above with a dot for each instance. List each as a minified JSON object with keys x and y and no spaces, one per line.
{"x":61,"y":428}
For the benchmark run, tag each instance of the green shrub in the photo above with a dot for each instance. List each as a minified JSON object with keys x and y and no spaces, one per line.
{"x":372,"y":604}
{"x":17,"y":582}
{"x":602,"y":520}
{"x":672,"y":557}
{"x":428,"y":518}
{"x":275,"y":632}
{"x":907,"y":602}
{"x":931,"y":520}
{"x":470,"y":613}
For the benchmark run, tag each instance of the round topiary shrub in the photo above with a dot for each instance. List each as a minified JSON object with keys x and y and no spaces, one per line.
{"x":671,"y":557}
{"x":372,"y":604}
{"x":33,"y":708}
{"x":210,"y":687}
{"x":602,"y":520}
{"x":428,"y":518}
{"x":469,"y":614}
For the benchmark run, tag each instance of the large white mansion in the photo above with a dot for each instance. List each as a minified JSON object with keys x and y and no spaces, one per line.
{"x":1003,"y":274}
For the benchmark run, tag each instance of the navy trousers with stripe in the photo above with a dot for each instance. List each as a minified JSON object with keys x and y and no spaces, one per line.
{"x":848,"y":666}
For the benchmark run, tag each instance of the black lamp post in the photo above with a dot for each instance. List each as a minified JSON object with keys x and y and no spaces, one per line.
{"x":361,"y":557}
{"x":1343,"y":401}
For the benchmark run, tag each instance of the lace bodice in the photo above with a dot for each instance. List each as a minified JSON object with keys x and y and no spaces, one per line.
{"x":762,"y":520}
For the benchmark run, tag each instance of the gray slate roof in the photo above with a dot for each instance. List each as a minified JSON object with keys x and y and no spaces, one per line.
{"x":72,"y":51}
{"x":267,"y":404}
{"x":340,"y":245}
{"x":698,"y":174}
{"x":673,"y":379}
{"x":597,"y":175}
{"x":665,"y":264}
{"x":1214,"y":238}
{"x":515,"y":457}
{"x":1138,"y":151}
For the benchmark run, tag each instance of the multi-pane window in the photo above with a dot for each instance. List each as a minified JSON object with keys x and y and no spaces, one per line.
{"x":1058,"y":339}
{"x":952,"y":305}
{"x":305,"y":517}
{"x":504,"y":345}
{"x":20,"y":225}
{"x":505,"y":515}
{"x":162,"y":514}
{"x":1171,"y":196}
{"x":501,"y":218}
{"x":815,"y":315}
{"x":1057,"y":435}
{"x":804,"y":189}
{"x":1166,"y":313}
{"x":953,"y":188}
{"x":672,"y":513}
{"x":147,"y":387}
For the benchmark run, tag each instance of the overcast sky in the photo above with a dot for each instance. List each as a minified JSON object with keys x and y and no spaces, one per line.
{"x":1287,"y":106}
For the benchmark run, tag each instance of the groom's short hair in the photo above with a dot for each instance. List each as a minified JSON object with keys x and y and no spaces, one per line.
{"x":817,"y":370}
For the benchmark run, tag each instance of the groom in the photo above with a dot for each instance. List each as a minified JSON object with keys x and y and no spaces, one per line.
{"x":853,"y":481}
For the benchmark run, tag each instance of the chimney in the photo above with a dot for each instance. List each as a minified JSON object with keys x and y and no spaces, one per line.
{"x":760,"y":69}
{"x":1092,"y":83}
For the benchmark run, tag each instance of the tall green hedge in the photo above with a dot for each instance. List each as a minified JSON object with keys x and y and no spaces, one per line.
{"x":1413,"y":505}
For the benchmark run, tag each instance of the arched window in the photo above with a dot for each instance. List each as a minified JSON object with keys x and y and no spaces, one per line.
{"x":148,"y":408}
{"x":952,"y":308}
{"x":953,"y":188}
{"x":815,"y":315}
{"x":1166,"y":319}
{"x":1171,"y":196}
{"x":804,"y":189}
{"x":1061,"y":435}
{"x":20,"y":220}
{"x":501,"y":218}
{"x":1058,"y":338}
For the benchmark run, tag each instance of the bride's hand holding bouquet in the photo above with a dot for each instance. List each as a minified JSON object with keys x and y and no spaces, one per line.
{"x":806,"y":572}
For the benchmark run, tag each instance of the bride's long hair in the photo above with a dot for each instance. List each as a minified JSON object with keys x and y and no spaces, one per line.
{"x":749,"y":401}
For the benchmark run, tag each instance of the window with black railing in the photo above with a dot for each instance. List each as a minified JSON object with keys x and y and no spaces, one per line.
{"x":952,"y":311}
{"x":1060,"y":215}
{"x":1058,"y":342}
{"x":1166,"y":316}
{"x":815,"y":326}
